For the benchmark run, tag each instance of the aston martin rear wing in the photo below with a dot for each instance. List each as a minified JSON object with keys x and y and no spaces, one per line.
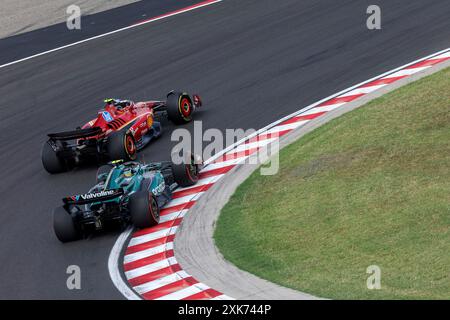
{"x":100,"y":196}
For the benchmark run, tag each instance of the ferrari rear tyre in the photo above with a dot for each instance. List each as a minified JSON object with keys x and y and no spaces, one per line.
{"x":179,"y":107}
{"x":121,"y":146}
{"x":144,"y":209}
{"x":50,"y":160}
{"x":64,"y":226}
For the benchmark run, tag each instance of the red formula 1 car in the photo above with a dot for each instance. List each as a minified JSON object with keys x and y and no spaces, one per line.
{"x":121,"y":128}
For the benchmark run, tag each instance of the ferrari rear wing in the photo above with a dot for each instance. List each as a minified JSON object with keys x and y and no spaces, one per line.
{"x":76,"y":134}
{"x":94,"y":197}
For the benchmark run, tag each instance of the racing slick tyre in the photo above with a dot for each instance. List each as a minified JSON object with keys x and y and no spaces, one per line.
{"x":186,"y":174}
{"x":179,"y":107}
{"x":64,"y":226}
{"x":144,"y":209}
{"x":50,"y":160}
{"x":102,"y":172}
{"x":121,"y":146}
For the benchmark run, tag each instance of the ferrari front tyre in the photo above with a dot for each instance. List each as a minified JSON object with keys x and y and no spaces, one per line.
{"x":50,"y":160}
{"x":179,"y":107}
{"x":64,"y":226}
{"x":144,"y":209}
{"x":186,"y":174}
{"x":121,"y":146}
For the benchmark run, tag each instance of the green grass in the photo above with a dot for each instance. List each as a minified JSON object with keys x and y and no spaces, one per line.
{"x":371,"y":187}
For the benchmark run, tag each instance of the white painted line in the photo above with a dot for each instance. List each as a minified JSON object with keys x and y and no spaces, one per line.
{"x":223,"y":164}
{"x":147,"y":253}
{"x":202,"y":182}
{"x":172,"y":216}
{"x":443,"y":56}
{"x":152,"y":236}
{"x":306,"y":109}
{"x":161,"y":17}
{"x":114,"y":269}
{"x":185,"y":199}
{"x":289,"y":126}
{"x":186,"y":292}
{"x":150,"y":268}
{"x":363,"y":90}
{"x":253,"y":145}
{"x":155,"y":284}
{"x":323,"y":109}
{"x":406,"y":72}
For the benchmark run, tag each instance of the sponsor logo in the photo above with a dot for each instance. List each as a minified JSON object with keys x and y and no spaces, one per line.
{"x":89,"y":196}
{"x":159,"y":189}
{"x":150,"y":121}
{"x":107,"y":116}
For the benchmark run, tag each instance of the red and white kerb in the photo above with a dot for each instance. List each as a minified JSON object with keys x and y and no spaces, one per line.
{"x":149,"y":263}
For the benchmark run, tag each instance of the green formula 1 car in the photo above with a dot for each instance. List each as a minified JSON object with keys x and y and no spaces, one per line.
{"x":125,"y":193}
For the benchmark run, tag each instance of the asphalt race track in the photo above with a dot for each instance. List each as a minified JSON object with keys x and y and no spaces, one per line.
{"x":253,"y":62}
{"x":26,"y":44}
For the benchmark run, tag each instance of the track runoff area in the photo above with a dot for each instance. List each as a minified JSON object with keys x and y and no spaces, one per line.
{"x":149,"y":264}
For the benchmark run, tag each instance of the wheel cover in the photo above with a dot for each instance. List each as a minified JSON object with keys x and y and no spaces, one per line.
{"x":185,"y":108}
{"x":130,"y":147}
{"x":192,"y":172}
{"x":153,"y":207}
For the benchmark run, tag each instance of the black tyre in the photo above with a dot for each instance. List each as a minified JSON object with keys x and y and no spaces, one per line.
{"x":50,"y":160}
{"x":102,"y":172}
{"x":121,"y":146}
{"x":64,"y":226}
{"x":179,"y":107}
{"x":186,"y":174}
{"x":144,"y":209}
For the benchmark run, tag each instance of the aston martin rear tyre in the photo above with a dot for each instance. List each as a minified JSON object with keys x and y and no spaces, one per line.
{"x":144,"y":209}
{"x":186,"y":174}
{"x":64,"y":225}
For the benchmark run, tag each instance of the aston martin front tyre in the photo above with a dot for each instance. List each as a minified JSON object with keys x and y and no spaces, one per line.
{"x":144,"y":209}
{"x":64,"y":225}
{"x":186,"y":174}
{"x":50,"y":160}
{"x":121,"y":146}
{"x":179,"y":107}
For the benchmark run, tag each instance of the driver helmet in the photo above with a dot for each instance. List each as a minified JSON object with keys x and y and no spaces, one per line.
{"x":128,"y":173}
{"x":118,"y":103}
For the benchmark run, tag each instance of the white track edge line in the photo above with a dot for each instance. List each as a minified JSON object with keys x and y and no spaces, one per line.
{"x":157,"y":18}
{"x":115,"y":270}
{"x":307,"y":108}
